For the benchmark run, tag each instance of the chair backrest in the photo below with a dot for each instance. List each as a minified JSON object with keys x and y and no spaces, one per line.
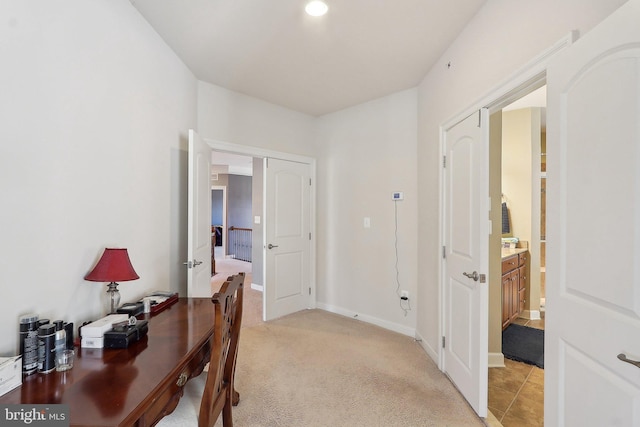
{"x":219,"y":392}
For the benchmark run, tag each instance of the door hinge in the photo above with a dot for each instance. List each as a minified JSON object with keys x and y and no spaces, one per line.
{"x":479,"y":118}
{"x":309,"y":290}
{"x":444,"y":252}
{"x":309,"y":236}
{"x":443,"y":342}
{"x":444,"y":161}
{"x":309,"y":181}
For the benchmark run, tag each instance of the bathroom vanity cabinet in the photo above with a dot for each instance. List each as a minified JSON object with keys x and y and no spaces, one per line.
{"x":514,"y":284}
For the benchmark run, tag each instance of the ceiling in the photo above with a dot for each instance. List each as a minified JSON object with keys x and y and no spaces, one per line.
{"x":270,"y":49}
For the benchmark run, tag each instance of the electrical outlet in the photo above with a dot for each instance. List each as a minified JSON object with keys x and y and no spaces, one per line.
{"x":404,"y":295}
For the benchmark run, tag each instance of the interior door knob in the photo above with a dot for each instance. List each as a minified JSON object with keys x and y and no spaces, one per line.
{"x":270,"y":246}
{"x":192,"y":264}
{"x":475,"y":276}
{"x":623,"y":357}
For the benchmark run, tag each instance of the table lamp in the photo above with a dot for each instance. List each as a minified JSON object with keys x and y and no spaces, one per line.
{"x":114,"y":266}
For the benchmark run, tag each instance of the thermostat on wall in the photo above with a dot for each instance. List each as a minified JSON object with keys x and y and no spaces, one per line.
{"x":397,"y":195}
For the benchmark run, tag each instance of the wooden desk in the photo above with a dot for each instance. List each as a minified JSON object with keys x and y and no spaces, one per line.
{"x":135,"y":386}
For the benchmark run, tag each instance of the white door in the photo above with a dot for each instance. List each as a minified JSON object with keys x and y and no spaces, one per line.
{"x":593,"y":225}
{"x":287,"y":238}
{"x":199,"y":219}
{"x":466,"y":242}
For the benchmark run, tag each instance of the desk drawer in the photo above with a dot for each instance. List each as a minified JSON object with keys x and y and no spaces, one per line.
{"x":172,"y":389}
{"x":166,"y":400}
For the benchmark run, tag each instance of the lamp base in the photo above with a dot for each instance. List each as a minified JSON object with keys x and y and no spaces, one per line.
{"x":114,"y":297}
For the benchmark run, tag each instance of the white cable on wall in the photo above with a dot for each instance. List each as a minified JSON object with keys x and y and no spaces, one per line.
{"x":408,"y":303}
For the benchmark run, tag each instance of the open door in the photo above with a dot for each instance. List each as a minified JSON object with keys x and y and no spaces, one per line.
{"x":199,"y":219}
{"x":593,"y":224}
{"x":287,"y":238}
{"x":465,"y":260}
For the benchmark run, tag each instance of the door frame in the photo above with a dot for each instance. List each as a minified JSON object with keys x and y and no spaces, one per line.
{"x":247,"y":150}
{"x":523,"y":81}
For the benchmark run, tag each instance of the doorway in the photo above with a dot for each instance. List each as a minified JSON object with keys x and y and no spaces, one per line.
{"x":523,"y":188}
{"x":218,"y":219}
{"x":235,"y":206}
{"x":514,"y":386}
{"x":262,"y":220}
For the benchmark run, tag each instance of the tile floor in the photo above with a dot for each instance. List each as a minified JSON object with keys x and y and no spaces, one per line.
{"x":516,"y":392}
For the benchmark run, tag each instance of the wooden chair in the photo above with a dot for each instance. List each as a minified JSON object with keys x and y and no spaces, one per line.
{"x":216,"y":393}
{"x":219,"y":391}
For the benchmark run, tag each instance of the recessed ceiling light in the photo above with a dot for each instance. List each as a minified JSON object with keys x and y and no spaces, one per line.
{"x":316,"y":8}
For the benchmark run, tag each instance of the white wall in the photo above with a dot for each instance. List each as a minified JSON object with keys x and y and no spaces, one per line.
{"x":368,"y":152}
{"x":94,"y":110}
{"x":228,"y":116}
{"x":519,"y":134}
{"x":503,"y":36}
{"x":93,"y":119}
{"x":364,"y":153}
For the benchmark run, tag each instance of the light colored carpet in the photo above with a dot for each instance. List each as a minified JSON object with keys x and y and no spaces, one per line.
{"x":315,"y":368}
{"x":252,"y":306}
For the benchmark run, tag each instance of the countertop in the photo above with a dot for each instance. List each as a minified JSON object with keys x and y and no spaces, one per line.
{"x":506,"y":253}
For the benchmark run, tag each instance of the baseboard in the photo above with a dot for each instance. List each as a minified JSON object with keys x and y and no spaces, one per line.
{"x":257,"y":287}
{"x":496,"y":360}
{"x":404,"y":330}
{"x":531,"y":314}
{"x":431,"y":352}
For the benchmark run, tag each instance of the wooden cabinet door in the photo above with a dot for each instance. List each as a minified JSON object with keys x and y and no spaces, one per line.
{"x":514,"y":284}
{"x":515,"y":295}
{"x":523,"y":282}
{"x":522,"y":279}
{"x":506,"y":300}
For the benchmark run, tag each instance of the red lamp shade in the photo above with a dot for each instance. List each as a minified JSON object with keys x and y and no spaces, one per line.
{"x":114,"y":266}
